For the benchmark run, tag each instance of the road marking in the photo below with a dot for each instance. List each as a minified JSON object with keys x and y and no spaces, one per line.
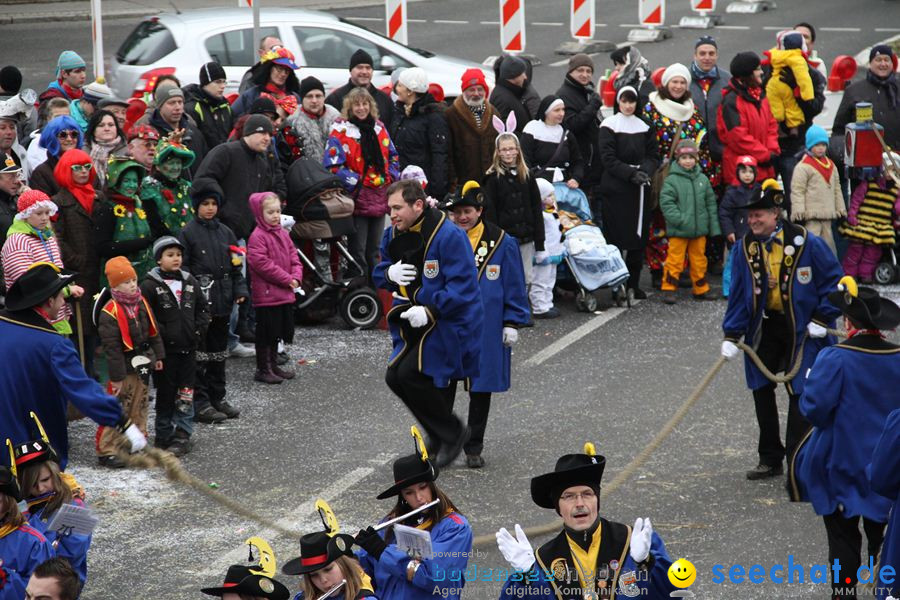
{"x":450,"y":22}
{"x":415,"y":20}
{"x":887,"y":29}
{"x":547,"y":23}
{"x":490,"y":22}
{"x":599,"y":25}
{"x":574,"y":335}
{"x":732,"y":27}
{"x":559,"y":63}
{"x":364,"y":19}
{"x":305,"y":514}
{"x":630,"y":25}
{"x":853,"y":29}
{"x":776,"y":28}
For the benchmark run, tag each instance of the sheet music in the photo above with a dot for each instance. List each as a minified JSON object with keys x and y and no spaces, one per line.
{"x":73,"y":519}
{"x":415,"y":542}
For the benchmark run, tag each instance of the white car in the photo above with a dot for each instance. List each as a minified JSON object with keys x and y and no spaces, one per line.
{"x":322,"y":45}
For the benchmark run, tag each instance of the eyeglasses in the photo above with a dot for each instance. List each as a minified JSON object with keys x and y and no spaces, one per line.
{"x":72,"y":135}
{"x":509,"y":151}
{"x":587,"y":496}
{"x":80,"y":168}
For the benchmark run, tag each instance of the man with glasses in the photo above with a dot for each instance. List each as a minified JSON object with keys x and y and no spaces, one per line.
{"x":71,"y":74}
{"x":142,"y":140}
{"x":591,"y":557}
{"x":266,"y":45}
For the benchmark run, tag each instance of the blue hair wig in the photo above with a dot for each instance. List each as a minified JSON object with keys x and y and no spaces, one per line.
{"x":51,"y":130}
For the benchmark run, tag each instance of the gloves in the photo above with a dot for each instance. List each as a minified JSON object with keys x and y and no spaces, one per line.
{"x":137,"y":439}
{"x":516,"y":550}
{"x":541,"y":257}
{"x":510,"y":336}
{"x":401,"y":273}
{"x":369,"y":540}
{"x":816,"y":331}
{"x":639,"y":178}
{"x":417,"y":316}
{"x":640,"y":540}
{"x":730,"y":350}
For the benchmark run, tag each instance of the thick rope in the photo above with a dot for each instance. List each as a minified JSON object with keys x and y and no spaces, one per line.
{"x":797,"y":364}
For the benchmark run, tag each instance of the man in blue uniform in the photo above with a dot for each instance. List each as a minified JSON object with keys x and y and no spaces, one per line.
{"x":591,"y":557}
{"x":849,"y":393}
{"x":41,"y":371}
{"x":781,"y":276}
{"x":501,"y":280}
{"x":436,"y":317}
{"x":884,"y":476}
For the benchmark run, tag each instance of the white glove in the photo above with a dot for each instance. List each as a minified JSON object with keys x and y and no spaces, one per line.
{"x":730,"y":350}
{"x":516,"y":550}
{"x":640,"y":539}
{"x":816,"y":331}
{"x":417,"y":316}
{"x":541,"y":257}
{"x":401,"y":273}
{"x":287,"y":222}
{"x":137,"y":439}
{"x":510,"y":336}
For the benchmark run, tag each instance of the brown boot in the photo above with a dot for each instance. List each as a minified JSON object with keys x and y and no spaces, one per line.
{"x":273,"y":360}
{"x":264,"y":363}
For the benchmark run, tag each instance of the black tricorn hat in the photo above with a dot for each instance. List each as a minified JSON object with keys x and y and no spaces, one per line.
{"x":865,"y":306}
{"x":8,"y":483}
{"x":34,"y":452}
{"x":41,"y":281}
{"x":410,"y":470}
{"x":470,"y":195}
{"x":317,"y":551}
{"x":570,"y":470}
{"x":770,"y":196}
{"x":239,"y":579}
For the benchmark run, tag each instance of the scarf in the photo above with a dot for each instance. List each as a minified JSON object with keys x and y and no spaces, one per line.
{"x":83,"y":193}
{"x":698,"y":74}
{"x":368,"y":143}
{"x":477,"y":112}
{"x":72,"y":93}
{"x":824,"y":167}
{"x":271,"y":88}
{"x":635,"y":72}
{"x":772,"y":237}
{"x":100,"y":152}
{"x":6,"y":529}
{"x":889,"y":84}
{"x":129,"y":301}
{"x":677,"y":111}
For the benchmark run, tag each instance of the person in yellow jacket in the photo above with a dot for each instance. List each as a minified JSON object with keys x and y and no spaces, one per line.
{"x":789,"y":70}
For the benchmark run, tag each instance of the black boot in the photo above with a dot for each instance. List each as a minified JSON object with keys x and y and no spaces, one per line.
{"x":264,"y":372}
{"x":283,"y":373}
{"x":224,"y":407}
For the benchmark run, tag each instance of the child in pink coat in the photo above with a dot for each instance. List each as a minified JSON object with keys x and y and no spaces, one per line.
{"x":275,"y":272}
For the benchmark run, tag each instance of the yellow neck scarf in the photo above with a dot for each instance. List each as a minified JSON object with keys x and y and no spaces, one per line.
{"x":6,"y":529}
{"x":475,"y":234}
{"x":586,"y":559}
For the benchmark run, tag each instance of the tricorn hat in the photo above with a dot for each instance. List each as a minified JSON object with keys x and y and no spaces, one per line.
{"x":864,"y":305}
{"x":770,"y":196}
{"x":9,"y":485}
{"x":241,"y":579}
{"x":571,"y":470}
{"x":41,"y":281}
{"x":317,"y":551}
{"x":470,"y":195}
{"x":35,"y":451}
{"x":412,"y":469}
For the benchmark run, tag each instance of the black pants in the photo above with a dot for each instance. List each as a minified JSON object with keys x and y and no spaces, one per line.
{"x":845,"y":543}
{"x":634,"y":262}
{"x":715,"y":249}
{"x":430,"y":405}
{"x":179,"y":371}
{"x":209,"y":385}
{"x":479,"y":408}
{"x":774,"y":349}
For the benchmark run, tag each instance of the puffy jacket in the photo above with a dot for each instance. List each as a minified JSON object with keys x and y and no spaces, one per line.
{"x":707,"y":105}
{"x":181,"y":322}
{"x":118,"y":357}
{"x":515,"y":207}
{"x":688,"y":203}
{"x":582,"y":110}
{"x":421,"y":138}
{"x":212,"y":115}
{"x":746,"y":126}
{"x":272,"y":260}
{"x":207,"y":255}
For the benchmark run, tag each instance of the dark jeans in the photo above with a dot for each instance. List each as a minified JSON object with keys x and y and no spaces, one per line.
{"x":179,"y":371}
{"x":365,"y":242}
{"x":430,"y":405}
{"x":773,"y":350}
{"x":209,"y":385}
{"x":784,"y":166}
{"x":479,"y":408}
{"x":634,"y":262}
{"x":845,"y":544}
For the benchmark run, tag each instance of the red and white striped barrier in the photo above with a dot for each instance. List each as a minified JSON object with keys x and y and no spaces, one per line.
{"x":652,"y":13}
{"x":512,"y":26}
{"x":582,"y":22}
{"x":703,"y":6}
{"x":396,"y":17}
{"x":703,"y":19}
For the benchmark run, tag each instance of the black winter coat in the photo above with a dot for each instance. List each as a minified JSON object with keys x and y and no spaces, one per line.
{"x":732,"y":211}
{"x":234,"y":171}
{"x":422,"y":138}
{"x":582,"y":110}
{"x":515,"y":207}
{"x":213,"y":117}
{"x":507,"y":98}
{"x":386,"y":108}
{"x":542,"y":157}
{"x":207,"y":257}
{"x":181,"y":326}
{"x":882,"y":112}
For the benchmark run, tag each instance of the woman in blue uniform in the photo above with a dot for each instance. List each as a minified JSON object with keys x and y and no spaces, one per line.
{"x":501,"y":280}
{"x":21,"y":547}
{"x":324,"y":562}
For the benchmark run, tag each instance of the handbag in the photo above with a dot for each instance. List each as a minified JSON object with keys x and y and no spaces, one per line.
{"x":659,"y":177}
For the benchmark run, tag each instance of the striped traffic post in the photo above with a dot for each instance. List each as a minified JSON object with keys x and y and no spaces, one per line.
{"x":396,"y":16}
{"x":652,"y":17}
{"x":704,"y":19}
{"x":512,"y":26}
{"x":582,"y":21}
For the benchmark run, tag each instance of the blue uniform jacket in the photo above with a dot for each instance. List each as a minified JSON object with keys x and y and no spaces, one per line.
{"x":41,"y":373}
{"x":22,"y":551}
{"x":884,"y":475}
{"x":851,"y":389}
{"x":501,"y":279}
{"x":451,"y":541}
{"x":809,"y":272}
{"x":73,"y":547}
{"x":450,"y":344}
{"x":554,"y":576}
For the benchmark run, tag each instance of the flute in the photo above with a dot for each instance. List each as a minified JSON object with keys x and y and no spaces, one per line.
{"x":409,"y":514}
{"x":333,"y":590}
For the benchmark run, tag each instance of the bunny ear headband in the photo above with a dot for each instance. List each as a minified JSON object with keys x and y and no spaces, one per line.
{"x":510,"y":126}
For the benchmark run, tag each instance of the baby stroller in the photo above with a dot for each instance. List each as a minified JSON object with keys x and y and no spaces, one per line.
{"x":324,"y":215}
{"x":590,"y":261}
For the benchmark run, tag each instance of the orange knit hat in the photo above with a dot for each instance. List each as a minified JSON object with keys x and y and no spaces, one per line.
{"x":119,"y":270}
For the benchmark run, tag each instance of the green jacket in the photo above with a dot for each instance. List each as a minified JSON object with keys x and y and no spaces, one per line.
{"x":688,"y":203}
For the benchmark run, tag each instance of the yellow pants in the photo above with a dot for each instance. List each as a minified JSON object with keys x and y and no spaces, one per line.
{"x":135,"y":404}
{"x":696,"y":253}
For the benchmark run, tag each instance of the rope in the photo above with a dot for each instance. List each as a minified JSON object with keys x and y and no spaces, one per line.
{"x":754,"y":357}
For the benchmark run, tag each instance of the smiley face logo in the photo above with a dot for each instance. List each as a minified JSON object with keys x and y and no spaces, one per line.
{"x":682,"y":573}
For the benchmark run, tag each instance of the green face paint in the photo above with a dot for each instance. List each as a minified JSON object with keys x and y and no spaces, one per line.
{"x":128,"y":182}
{"x":171,"y":168}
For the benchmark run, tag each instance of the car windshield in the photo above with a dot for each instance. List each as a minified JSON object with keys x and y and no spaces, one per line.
{"x":421,"y":52}
{"x":149,"y":42}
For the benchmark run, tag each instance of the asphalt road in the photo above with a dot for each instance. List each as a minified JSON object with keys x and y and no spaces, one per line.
{"x":334,"y":431}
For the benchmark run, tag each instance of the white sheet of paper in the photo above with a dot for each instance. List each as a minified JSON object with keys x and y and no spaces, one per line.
{"x":73,"y":519}
{"x":415,"y":542}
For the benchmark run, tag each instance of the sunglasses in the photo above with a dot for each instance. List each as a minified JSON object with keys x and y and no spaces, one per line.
{"x":80,"y":168}
{"x":73,"y":135}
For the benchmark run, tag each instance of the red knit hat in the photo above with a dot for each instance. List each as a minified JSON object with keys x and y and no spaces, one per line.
{"x":30,"y":201}
{"x":119,"y":270}
{"x":474,"y":77}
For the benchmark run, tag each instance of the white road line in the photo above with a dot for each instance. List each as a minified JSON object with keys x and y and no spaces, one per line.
{"x":364,"y":19}
{"x":547,"y":23}
{"x":417,"y":20}
{"x":733,"y":27}
{"x":490,"y":22}
{"x":450,"y":22}
{"x":599,"y":25}
{"x":303,"y":514}
{"x":887,"y":29}
{"x":853,"y":29}
{"x":573,"y":336}
{"x":630,"y":25}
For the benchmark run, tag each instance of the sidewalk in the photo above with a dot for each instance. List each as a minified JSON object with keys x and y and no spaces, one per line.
{"x":80,"y":10}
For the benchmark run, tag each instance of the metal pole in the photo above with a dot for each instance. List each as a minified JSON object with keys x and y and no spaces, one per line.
{"x":255,"y":25}
{"x":97,"y":33}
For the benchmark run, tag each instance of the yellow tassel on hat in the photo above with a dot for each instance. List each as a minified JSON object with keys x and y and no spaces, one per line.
{"x":770,"y":183}
{"x":421,"y":450}
{"x":470,"y":185}
{"x":848,"y":284}
{"x":329,"y":520}
{"x":589,"y":449}
{"x":12,"y":459}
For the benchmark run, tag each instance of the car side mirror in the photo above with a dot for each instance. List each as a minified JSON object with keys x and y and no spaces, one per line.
{"x":387,"y":64}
